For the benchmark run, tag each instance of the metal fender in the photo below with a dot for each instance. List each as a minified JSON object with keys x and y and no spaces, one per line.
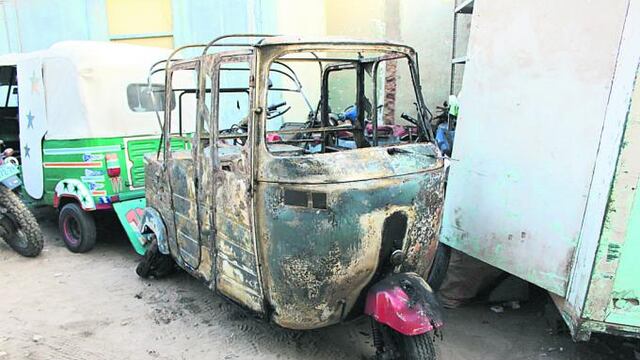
{"x":130,"y":214}
{"x":152,"y":224}
{"x":405,"y":303}
{"x":75,"y":189}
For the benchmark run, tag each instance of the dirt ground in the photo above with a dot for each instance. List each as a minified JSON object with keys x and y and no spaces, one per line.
{"x":93,"y":306}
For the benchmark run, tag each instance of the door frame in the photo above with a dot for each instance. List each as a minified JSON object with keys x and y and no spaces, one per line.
{"x":170,"y":105}
{"x":211,"y":67}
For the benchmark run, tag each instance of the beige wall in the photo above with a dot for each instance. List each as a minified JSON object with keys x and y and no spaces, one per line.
{"x":130,"y":18}
{"x":427,"y":25}
{"x":306,"y":18}
{"x":355,"y":18}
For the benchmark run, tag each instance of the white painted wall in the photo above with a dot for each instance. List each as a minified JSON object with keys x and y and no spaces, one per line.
{"x":428,"y":27}
{"x":536,"y":92}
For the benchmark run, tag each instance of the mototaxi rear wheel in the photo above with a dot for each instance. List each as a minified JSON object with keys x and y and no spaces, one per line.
{"x":78,"y":228}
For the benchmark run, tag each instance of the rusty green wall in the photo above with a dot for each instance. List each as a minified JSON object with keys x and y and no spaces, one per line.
{"x":614,"y":289}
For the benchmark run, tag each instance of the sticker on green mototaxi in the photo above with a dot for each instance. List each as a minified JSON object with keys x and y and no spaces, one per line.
{"x":130,"y":214}
{"x":7,"y":170}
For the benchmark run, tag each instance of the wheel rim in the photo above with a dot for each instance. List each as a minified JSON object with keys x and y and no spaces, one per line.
{"x":21,"y":239}
{"x":72,"y":231}
{"x":6,"y":228}
{"x":13,"y":231}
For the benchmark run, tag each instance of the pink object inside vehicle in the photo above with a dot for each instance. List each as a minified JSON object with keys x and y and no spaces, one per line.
{"x":272,"y":137}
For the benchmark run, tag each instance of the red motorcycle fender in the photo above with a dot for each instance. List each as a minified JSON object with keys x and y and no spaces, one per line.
{"x":405,"y":303}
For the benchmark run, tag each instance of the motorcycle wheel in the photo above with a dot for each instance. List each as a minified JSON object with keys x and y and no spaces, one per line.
{"x":24,"y":235}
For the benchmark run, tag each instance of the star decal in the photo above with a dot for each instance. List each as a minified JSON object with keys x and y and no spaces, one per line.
{"x":30,"y":118}
{"x":75,"y":189}
{"x":27,"y":149}
{"x":65,"y":185}
{"x":83,"y":199}
{"x":35,"y":82}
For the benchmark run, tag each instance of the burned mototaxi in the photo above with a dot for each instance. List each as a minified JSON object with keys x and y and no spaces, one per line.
{"x":312,"y":190}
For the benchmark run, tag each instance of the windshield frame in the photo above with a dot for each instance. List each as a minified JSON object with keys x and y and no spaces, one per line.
{"x":269,"y":54}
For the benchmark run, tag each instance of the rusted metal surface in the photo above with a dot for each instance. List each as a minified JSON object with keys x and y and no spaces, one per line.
{"x":304,"y":266}
{"x":185,"y":211}
{"x":237,"y":268}
{"x":316,"y":262}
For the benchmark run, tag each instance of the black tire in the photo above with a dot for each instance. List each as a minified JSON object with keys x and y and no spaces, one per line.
{"x":418,"y":347}
{"x":25,"y":235}
{"x":439,"y":268}
{"x":78,"y":228}
{"x":154,"y":263}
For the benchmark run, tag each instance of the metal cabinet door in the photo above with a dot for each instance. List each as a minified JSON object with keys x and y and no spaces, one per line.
{"x":529,"y":135}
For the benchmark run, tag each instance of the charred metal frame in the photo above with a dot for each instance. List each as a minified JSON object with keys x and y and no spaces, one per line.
{"x":233,"y":198}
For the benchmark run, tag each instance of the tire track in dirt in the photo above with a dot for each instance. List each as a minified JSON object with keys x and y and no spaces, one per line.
{"x":249,"y":337}
{"x":58,"y":348}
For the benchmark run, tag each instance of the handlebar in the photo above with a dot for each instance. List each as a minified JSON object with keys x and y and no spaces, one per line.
{"x":276,"y":106}
{"x":409,"y":118}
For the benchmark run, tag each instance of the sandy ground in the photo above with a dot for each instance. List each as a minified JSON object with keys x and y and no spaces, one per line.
{"x":93,"y":306}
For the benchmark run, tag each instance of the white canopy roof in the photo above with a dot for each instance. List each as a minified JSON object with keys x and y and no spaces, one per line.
{"x":10,"y":59}
{"x":85,"y":88}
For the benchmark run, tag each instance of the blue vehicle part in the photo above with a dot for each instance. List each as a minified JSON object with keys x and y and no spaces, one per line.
{"x":351,"y":113}
{"x":12,"y":182}
{"x":444,"y":138}
{"x":9,"y":175}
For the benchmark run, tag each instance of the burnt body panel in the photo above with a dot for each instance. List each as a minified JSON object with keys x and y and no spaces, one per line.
{"x":316,"y":262}
{"x":185,"y":207}
{"x":158,"y":196}
{"x":347,"y":166}
{"x":236,"y":269}
{"x":296,"y":237}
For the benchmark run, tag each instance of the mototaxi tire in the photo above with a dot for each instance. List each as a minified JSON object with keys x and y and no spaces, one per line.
{"x":78,"y":228}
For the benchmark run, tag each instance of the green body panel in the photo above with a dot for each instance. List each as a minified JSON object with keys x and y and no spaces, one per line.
{"x":86,"y":162}
{"x":130,"y":213}
{"x":90,"y":152}
{"x":624,"y":307}
{"x":613,"y":297}
{"x":136,"y":150}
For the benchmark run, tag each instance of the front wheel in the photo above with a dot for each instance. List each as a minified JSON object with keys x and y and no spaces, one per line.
{"x":19,"y":227}
{"x":402,"y":347}
{"x":78,"y":228}
{"x":154,"y":263}
{"x":415,"y":347}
